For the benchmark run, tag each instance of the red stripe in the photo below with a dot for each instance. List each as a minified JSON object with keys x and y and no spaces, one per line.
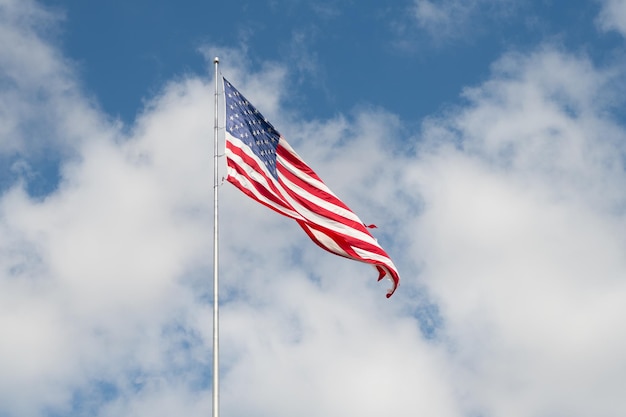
{"x":338,"y":236}
{"x":324,"y":212}
{"x":300,"y":165}
{"x":347,"y":243}
{"x":249,"y":193}
{"x":256,"y":166}
{"x":352,"y":241}
{"x":260,"y":188}
{"x":306,"y":227}
{"x":383,"y":269}
{"x":284,"y":150}
{"x":344,"y":241}
{"x":309,"y":188}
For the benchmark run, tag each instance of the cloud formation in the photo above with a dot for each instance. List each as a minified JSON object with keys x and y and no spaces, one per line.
{"x":523,"y":238}
{"x":505,"y":216}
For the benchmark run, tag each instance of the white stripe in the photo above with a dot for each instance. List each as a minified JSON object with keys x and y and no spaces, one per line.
{"x":258,"y":177}
{"x":245,"y":183}
{"x":347,"y":214}
{"x":301,"y":174}
{"x":375,"y":257}
{"x":239,"y":144}
{"x":333,"y":225}
{"x":327,"y":242}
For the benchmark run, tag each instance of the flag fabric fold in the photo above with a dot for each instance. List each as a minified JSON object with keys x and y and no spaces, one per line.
{"x":265,"y":167}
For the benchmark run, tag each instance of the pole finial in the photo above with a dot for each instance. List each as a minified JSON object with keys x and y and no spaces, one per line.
{"x":216,"y":60}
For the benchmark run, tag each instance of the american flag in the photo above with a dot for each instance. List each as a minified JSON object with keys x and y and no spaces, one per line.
{"x":263,"y":165}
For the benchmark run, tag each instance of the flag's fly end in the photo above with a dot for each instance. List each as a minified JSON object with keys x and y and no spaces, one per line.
{"x":391,"y":276}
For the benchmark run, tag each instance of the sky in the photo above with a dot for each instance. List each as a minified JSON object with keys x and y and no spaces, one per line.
{"x":485,"y":138}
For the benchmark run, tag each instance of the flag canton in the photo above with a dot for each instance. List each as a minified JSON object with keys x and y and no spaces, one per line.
{"x":246,"y":123}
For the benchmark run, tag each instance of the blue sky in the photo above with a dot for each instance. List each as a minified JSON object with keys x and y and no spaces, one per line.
{"x":335,"y":50}
{"x":485,"y":139}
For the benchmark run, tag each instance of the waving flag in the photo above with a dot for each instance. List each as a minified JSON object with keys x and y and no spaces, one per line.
{"x":263,"y":165}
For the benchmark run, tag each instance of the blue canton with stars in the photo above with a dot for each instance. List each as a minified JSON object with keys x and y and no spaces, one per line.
{"x":244,"y":122}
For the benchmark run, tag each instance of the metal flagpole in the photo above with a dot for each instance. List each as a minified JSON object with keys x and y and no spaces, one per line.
{"x":216,"y":411}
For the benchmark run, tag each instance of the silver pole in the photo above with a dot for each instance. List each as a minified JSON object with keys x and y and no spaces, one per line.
{"x":216,"y":411}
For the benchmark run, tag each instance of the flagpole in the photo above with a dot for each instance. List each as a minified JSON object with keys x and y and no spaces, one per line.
{"x":216,"y":413}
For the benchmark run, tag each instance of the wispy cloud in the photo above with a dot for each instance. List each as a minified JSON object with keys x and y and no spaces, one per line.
{"x":612,"y":15}
{"x":452,"y":19}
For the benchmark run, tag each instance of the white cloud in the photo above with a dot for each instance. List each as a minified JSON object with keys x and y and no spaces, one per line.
{"x":100,"y":261}
{"x":523,"y":238}
{"x":40,"y":102}
{"x":612,"y":16}
{"x":508,"y":213}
